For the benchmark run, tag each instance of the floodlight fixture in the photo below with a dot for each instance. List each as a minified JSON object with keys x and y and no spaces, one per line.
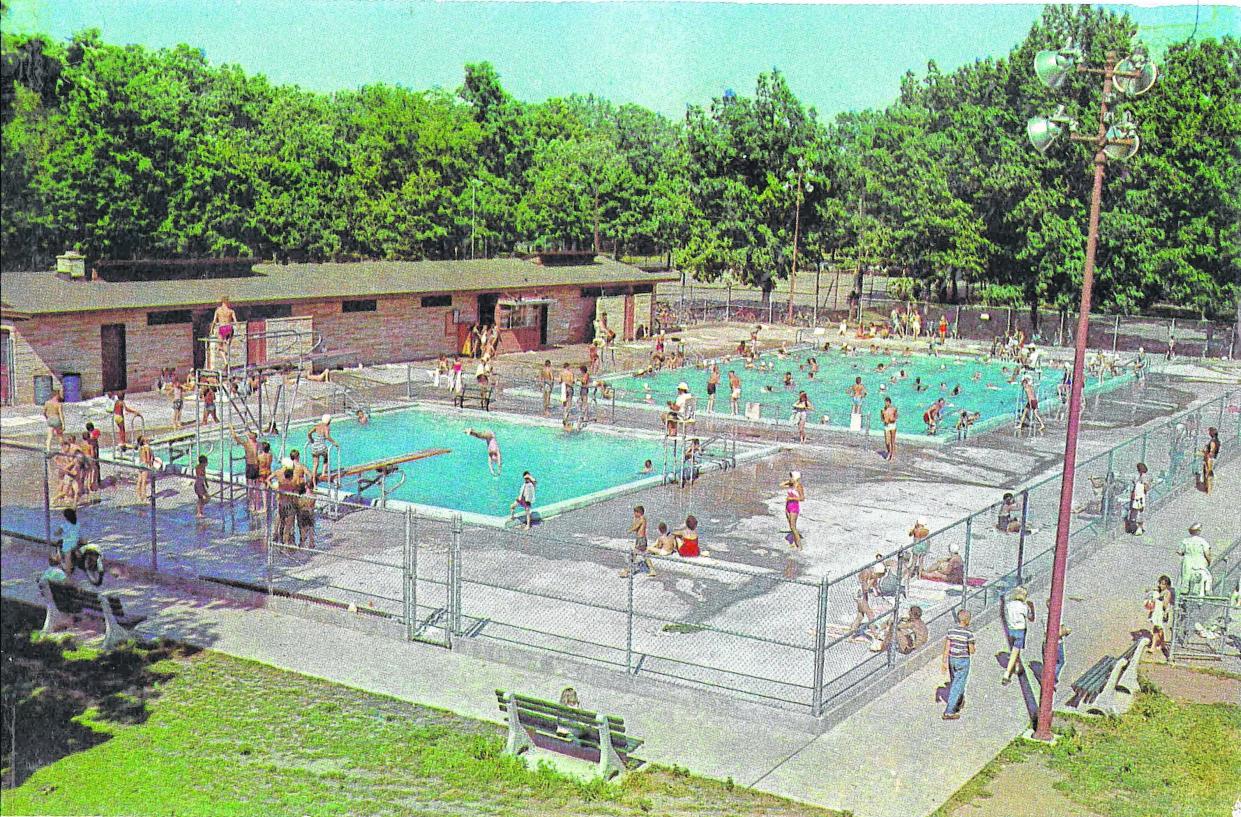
{"x":1135,"y":76}
{"x":1054,"y":67}
{"x":1122,"y":139}
{"x":1045,"y":130}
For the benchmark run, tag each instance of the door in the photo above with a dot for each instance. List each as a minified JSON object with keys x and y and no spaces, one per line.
{"x":112,"y":347}
{"x":542,"y":324}
{"x":200,"y":330}
{"x":6,"y":361}
{"x":256,"y":342}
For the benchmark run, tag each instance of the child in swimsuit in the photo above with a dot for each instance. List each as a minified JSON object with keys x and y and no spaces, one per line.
{"x":200,"y":484}
{"x":688,"y":547}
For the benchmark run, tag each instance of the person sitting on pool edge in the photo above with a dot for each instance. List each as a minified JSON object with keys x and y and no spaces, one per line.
{"x":666,"y":543}
{"x":687,"y":538}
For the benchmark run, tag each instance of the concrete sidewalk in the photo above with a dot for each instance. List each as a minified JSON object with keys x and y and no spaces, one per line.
{"x":893,"y":757}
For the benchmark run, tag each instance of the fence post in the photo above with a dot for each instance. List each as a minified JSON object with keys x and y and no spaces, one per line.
{"x":728,"y":301}
{"x":1021,"y":536}
{"x":820,"y":647}
{"x":47,"y":501}
{"x":267,"y":537}
{"x":629,"y":668}
{"x":1106,"y":505}
{"x":154,"y":544}
{"x":896,"y":608}
{"x":771,"y":307}
{"x":1115,"y":332}
{"x":969,"y":544}
{"x":410,"y":585}
{"x":1142,"y":456}
{"x":455,"y":587}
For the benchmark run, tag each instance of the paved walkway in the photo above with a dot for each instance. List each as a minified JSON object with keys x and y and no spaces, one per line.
{"x":893,"y":757}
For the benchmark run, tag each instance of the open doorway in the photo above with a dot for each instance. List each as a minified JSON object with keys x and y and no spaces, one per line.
{"x":112,"y":348}
{"x":487,"y":308}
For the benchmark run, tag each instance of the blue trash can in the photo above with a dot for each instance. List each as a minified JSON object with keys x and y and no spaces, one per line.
{"x":42,"y":388}
{"x":71,"y":382}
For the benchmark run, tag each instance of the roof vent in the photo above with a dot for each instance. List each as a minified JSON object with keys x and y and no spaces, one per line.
{"x":73,"y":264}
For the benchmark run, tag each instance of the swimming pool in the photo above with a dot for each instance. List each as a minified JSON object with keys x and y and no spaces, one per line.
{"x":572,"y":469}
{"x":913,"y":381}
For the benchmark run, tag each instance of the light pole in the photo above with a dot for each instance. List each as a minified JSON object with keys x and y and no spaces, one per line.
{"x":1114,"y":140}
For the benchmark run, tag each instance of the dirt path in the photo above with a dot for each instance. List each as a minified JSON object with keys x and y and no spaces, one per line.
{"x":1023,"y":789}
{"x":1188,"y":686}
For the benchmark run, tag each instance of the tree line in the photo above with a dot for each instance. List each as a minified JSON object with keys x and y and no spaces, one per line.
{"x":127,"y":152}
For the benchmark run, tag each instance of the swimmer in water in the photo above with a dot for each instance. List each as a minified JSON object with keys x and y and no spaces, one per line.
{"x":494,"y":462}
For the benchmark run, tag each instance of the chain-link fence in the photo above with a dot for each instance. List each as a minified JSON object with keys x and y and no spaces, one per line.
{"x":1207,"y":626}
{"x":695,"y":303}
{"x":795,"y":642}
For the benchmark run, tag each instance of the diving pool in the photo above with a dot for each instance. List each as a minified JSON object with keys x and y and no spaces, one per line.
{"x":913,"y":381}
{"x":573,"y":469}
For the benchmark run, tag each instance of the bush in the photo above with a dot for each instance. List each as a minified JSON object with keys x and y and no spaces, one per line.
{"x":1001,"y":295}
{"x":902,"y":289}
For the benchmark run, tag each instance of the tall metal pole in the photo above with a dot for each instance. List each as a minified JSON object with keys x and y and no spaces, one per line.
{"x":796,"y":236}
{"x":1047,"y":691}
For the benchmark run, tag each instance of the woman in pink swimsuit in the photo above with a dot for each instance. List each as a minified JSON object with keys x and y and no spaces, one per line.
{"x":795,"y":494}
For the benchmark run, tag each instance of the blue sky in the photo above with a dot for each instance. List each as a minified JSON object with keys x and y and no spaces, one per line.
{"x":661,"y":55}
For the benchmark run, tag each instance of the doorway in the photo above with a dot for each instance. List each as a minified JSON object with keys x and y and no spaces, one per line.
{"x":543,"y":325}
{"x":487,"y":308}
{"x":6,"y":363}
{"x":200,"y":327}
{"x":112,"y":348}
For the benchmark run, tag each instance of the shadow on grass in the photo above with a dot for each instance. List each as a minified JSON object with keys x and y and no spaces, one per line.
{"x":48,"y":683}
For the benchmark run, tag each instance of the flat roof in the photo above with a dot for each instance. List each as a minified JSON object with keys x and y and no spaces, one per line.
{"x":44,"y":293}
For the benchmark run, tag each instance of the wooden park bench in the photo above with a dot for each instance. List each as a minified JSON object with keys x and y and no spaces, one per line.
{"x":566,"y":730}
{"x":65,"y":601}
{"x":1110,"y":685}
{"x":475,"y":394}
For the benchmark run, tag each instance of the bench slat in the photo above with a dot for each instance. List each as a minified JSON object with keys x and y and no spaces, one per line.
{"x":1093,"y":680}
{"x":586,"y":715}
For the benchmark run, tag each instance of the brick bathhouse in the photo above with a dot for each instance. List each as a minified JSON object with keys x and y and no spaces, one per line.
{"x":118,"y":323}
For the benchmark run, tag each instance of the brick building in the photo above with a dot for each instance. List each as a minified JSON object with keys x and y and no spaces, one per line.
{"x":120,"y":324}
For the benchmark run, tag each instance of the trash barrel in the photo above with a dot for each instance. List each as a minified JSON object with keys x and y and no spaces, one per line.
{"x":42,"y":388}
{"x":71,"y":382}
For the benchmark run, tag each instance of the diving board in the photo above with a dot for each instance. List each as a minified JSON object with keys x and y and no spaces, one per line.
{"x":389,"y":465}
{"x":380,"y":471}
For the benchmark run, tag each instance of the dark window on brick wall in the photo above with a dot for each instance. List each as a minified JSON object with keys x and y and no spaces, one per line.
{"x":437,"y":300}
{"x":171,"y":316}
{"x":592,"y":292}
{"x":614,"y":291}
{"x":368,"y":305}
{"x":643,"y":289}
{"x":261,"y":312}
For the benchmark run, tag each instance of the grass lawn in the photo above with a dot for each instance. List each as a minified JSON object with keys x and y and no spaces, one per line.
{"x":163,"y":729}
{"x":1163,"y":758}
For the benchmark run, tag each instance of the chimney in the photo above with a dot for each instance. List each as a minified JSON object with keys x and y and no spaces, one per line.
{"x":73,"y":264}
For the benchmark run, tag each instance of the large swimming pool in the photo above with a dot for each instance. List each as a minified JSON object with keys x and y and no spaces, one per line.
{"x":913,"y":381}
{"x":571,"y":468}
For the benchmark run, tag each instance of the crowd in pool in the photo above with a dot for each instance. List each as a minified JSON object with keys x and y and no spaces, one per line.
{"x":1023,"y":365}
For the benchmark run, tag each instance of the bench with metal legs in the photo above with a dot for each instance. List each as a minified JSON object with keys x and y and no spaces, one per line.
{"x":65,"y":601}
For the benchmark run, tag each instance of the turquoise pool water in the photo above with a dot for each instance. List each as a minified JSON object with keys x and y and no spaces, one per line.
{"x":567,"y":466}
{"x":982,"y":387}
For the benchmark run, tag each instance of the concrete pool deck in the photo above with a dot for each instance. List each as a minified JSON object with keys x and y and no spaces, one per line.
{"x":859,"y":765}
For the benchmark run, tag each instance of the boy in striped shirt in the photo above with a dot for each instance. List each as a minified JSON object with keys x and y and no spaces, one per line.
{"x":958,"y":648}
